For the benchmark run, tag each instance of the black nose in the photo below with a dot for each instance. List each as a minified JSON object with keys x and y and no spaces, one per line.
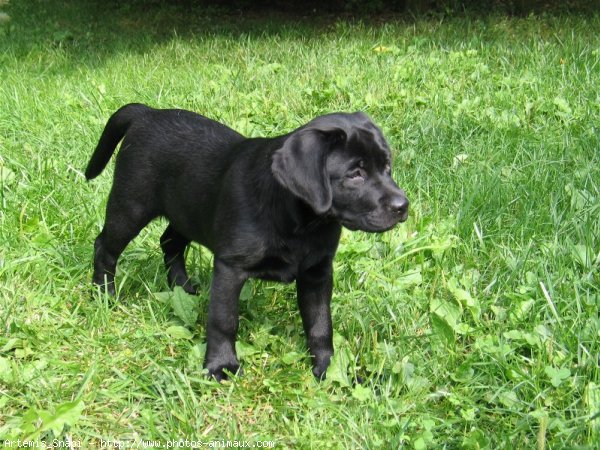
{"x":399,"y":205}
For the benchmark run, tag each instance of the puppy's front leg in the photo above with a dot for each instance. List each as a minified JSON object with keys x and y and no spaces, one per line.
{"x":223,"y":320}
{"x":314,"y":288}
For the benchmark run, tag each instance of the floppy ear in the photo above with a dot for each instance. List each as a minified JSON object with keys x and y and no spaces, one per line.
{"x":300,"y":166}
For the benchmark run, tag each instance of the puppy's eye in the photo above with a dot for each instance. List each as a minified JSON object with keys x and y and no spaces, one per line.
{"x":357,"y":174}
{"x":358,"y":171}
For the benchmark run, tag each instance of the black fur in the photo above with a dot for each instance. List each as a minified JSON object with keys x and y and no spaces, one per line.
{"x":269,"y":208}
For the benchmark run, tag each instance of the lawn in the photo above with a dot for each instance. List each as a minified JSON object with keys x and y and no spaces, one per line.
{"x":474,"y":324}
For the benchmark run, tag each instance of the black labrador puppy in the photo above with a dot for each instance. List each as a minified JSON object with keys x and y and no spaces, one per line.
{"x":268,"y":208}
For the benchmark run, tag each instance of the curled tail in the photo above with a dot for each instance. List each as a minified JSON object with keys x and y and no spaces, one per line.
{"x":115,"y":130}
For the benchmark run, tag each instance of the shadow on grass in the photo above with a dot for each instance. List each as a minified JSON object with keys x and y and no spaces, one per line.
{"x":90,"y":31}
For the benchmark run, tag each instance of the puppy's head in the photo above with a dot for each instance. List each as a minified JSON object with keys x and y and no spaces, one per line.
{"x":340,"y":165}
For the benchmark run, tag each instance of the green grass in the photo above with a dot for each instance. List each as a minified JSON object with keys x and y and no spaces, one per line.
{"x":475,"y":324}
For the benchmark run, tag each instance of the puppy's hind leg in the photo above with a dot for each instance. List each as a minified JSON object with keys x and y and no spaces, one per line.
{"x":173,"y":245}
{"x":123,"y":223}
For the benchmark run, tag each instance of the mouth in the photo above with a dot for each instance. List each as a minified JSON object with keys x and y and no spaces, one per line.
{"x":373,"y":226}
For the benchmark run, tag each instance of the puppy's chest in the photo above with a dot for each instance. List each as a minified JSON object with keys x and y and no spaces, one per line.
{"x":284,"y":261}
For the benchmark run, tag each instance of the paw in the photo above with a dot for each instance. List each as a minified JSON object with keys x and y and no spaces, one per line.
{"x":189,"y":288}
{"x":183,"y":282}
{"x":320,"y":365}
{"x":221,"y":372}
{"x":320,"y":373}
{"x":104,"y":289}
